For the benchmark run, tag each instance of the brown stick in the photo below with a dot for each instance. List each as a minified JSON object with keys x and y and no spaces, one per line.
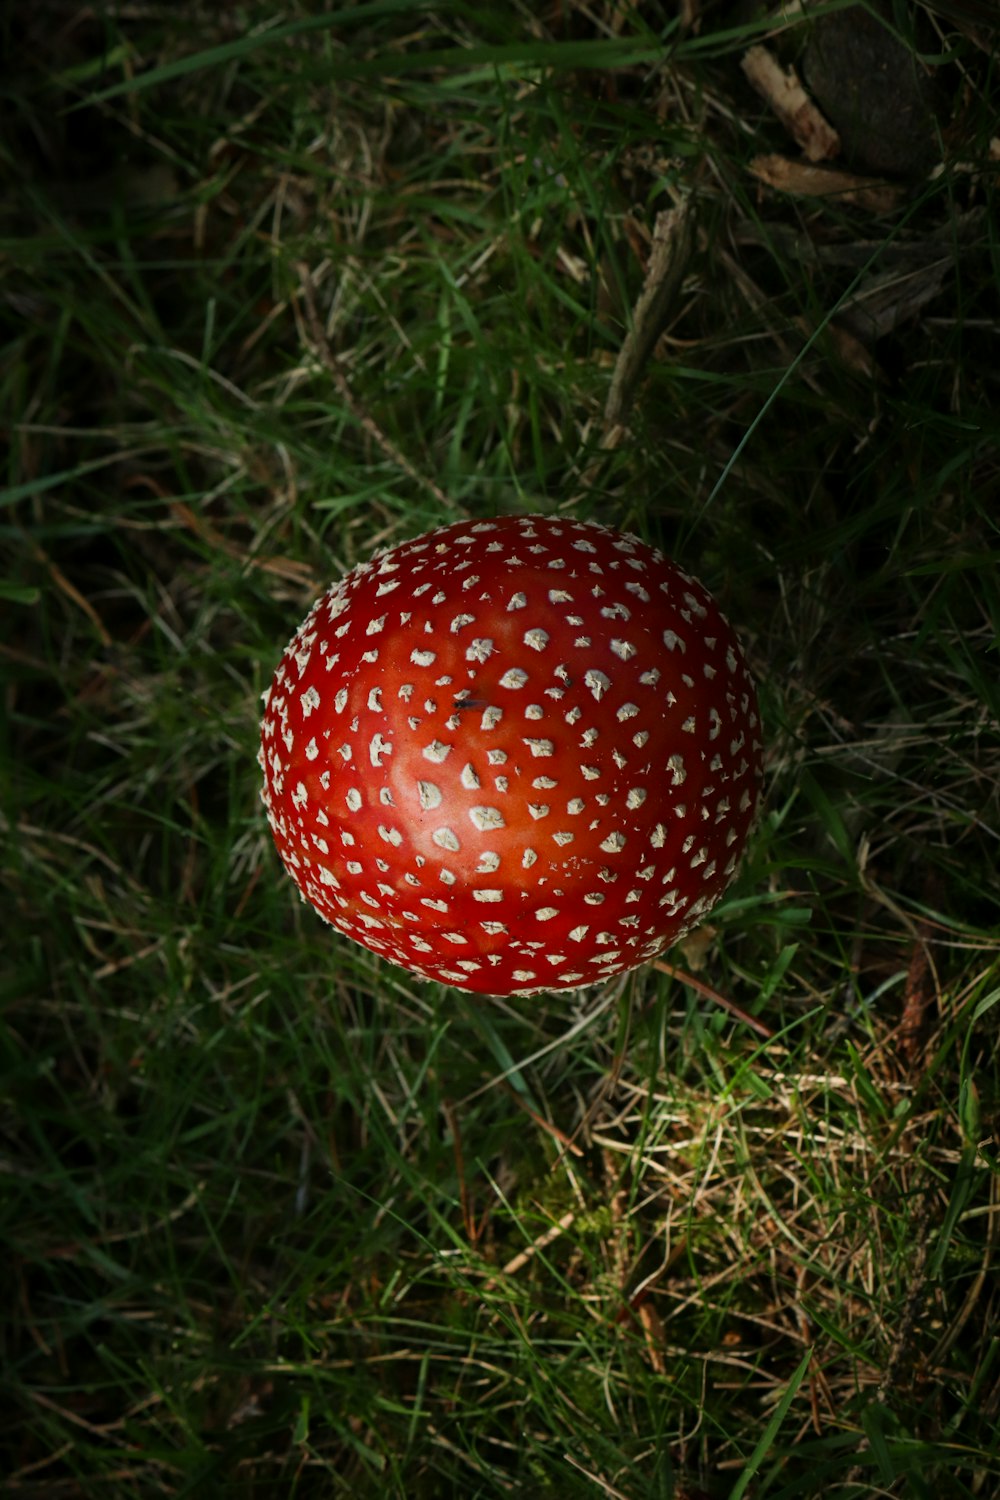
{"x":334,"y":367}
{"x":710,"y":994}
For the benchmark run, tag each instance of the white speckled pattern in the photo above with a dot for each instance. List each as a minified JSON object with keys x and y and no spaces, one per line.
{"x":501,"y":714}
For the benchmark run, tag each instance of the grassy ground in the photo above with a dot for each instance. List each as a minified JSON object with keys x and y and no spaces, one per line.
{"x":276,"y":1220}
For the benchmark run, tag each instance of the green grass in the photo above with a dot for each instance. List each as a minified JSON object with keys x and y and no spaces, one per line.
{"x":276,"y":1219}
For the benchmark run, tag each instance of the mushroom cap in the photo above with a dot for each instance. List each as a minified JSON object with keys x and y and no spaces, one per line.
{"x":513,"y":755}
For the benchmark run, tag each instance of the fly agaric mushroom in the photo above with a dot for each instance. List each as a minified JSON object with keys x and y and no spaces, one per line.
{"x":513,"y":755}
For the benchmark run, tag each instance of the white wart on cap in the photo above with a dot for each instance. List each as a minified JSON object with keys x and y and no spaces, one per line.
{"x":513,"y":755}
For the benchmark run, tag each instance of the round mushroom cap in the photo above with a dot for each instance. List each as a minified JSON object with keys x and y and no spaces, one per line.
{"x":513,"y":755}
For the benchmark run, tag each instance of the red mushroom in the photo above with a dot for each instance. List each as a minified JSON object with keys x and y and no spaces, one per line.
{"x":513,"y":755}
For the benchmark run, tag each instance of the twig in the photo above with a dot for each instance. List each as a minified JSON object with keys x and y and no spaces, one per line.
{"x":668,"y":258}
{"x":517,"y":1262}
{"x":804,"y":180}
{"x":781,"y":89}
{"x":335,"y":369}
{"x":902,"y":1347}
{"x":710,"y":994}
{"x":958,"y":1322}
{"x":471,"y":1228}
{"x":546,"y":1125}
